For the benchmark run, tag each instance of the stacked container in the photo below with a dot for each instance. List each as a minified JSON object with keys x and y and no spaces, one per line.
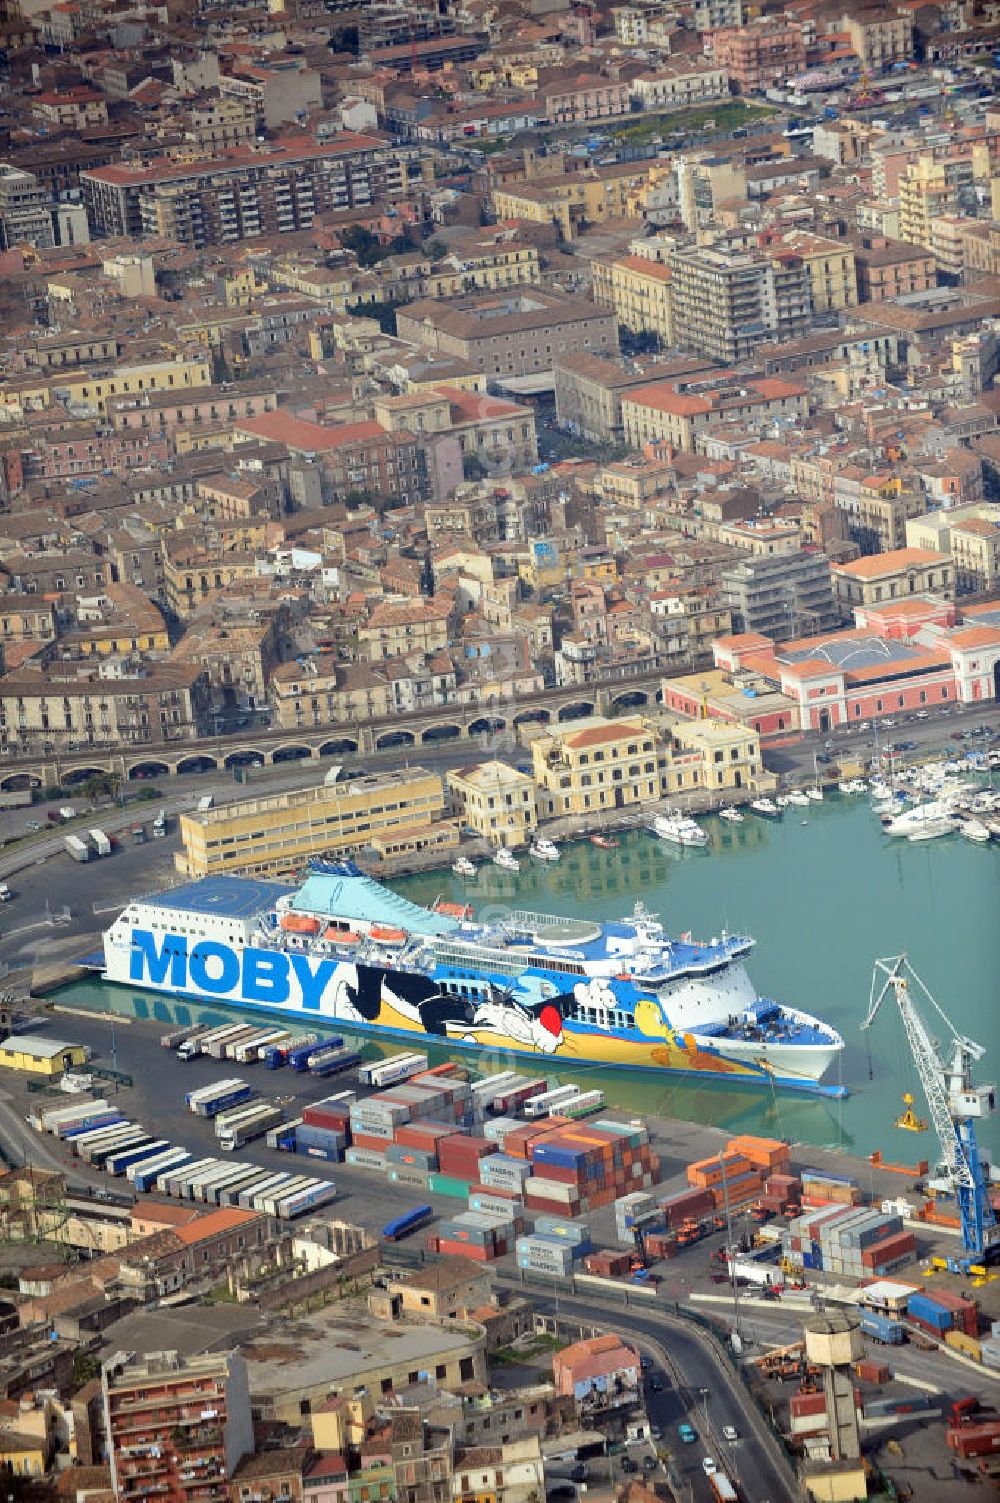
{"x":460,"y":1155}
{"x":498,"y":1172}
{"x":578,"y":1168}
{"x":572,"y":1233}
{"x":821,"y":1189}
{"x":630,"y":1211}
{"x":608,"y":1265}
{"x":546,"y":1255}
{"x":476,"y":1235}
{"x":940,"y":1312}
{"x":374,"y":1122}
{"x":686,"y":1205}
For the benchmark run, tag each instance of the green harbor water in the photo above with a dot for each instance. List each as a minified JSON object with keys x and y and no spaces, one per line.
{"x":824,"y":893}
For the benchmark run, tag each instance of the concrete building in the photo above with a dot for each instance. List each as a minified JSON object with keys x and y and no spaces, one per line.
{"x":171,"y":1420}
{"x":25,"y":210}
{"x":599,"y":1373}
{"x":510,"y":334}
{"x":896,"y":575}
{"x":589,"y":391}
{"x":392,"y":812}
{"x":728,"y":302}
{"x":766,"y":51}
{"x":781,"y":596}
{"x":639,"y":292}
{"x":495,"y":801}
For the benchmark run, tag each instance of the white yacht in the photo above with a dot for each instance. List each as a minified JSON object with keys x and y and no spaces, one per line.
{"x":815,"y":793}
{"x":734,"y":816}
{"x":545,"y":850}
{"x":505,"y":858}
{"x":766,"y":807}
{"x":933,"y":829}
{"x":919,"y":818}
{"x":679,"y":828}
{"x":798,"y":798}
{"x":974,"y":829}
{"x":463,"y":867}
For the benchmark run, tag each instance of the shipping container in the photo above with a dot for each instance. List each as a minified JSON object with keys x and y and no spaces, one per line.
{"x":881,"y":1328}
{"x":365,"y":1158}
{"x":131,"y":1137}
{"x":449,"y":1184}
{"x":268,"y":1200}
{"x":46,"y":1118}
{"x":229,"y":1196}
{"x":320,"y":1193}
{"x":512,"y":1099}
{"x":209,"y":1100}
{"x":81,"y":1138}
{"x":410,"y":1221}
{"x":298,"y":1058}
{"x":584,"y":1105}
{"x":247,"y":1196}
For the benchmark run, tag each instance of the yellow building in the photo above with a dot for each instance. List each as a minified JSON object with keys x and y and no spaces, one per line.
{"x":397,"y":812}
{"x":88,"y":389}
{"x":596,"y":764}
{"x":833,"y":276}
{"x":340,"y":1424}
{"x":640,"y":296}
{"x":34,"y":1054}
{"x":730,"y":754}
{"x":495,"y":801}
{"x":567,"y":201}
{"x":925,"y":194}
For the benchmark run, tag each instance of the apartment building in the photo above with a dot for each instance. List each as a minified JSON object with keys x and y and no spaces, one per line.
{"x":570,"y":98}
{"x":833,"y":278}
{"x":175,"y":1423}
{"x":879,"y":36}
{"x":40,"y":712}
{"x":596,"y":764}
{"x":691,"y":81}
{"x":639,"y":292}
{"x":781,"y":595}
{"x":393,"y":812}
{"x":765,"y":51}
{"x":926,"y":192}
{"x":589,"y":391}
{"x":279,"y":90}
{"x":728,"y":302}
{"x":25,"y":210}
{"x":975,"y":552}
{"x":513,"y":334}
{"x":266,"y":189}
{"x":495,"y":801}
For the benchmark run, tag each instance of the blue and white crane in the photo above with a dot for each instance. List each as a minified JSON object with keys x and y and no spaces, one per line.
{"x":954,"y":1100}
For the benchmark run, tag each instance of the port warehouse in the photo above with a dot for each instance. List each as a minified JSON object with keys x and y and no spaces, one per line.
{"x":432,"y":1131}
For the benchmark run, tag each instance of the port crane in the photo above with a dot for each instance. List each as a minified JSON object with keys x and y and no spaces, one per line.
{"x":954,"y":1101}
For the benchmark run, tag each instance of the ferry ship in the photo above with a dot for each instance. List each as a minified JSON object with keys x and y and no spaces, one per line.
{"x":344,"y":948}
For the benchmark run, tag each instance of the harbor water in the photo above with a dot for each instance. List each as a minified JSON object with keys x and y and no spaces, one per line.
{"x":824,"y":893}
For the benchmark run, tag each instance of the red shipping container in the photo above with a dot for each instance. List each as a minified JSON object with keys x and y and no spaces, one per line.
{"x":314,"y":1116}
{"x":889,"y":1249}
{"x":423,"y":1134}
{"x":975,"y":1440}
{"x":365,"y":1140}
{"x":497,"y":1194}
{"x":478,"y":1254}
{"x":806,"y":1403}
{"x":873,"y":1372}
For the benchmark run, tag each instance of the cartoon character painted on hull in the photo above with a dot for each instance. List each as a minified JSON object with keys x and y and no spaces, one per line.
{"x":534,"y":1021}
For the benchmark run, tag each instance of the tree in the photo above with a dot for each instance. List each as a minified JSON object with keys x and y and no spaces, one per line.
{"x":85,"y":1367}
{"x":435,"y":249}
{"x":384,"y":314}
{"x":427,"y":577}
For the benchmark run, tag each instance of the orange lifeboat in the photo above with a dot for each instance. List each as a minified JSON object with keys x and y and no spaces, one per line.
{"x":341,"y":936}
{"x":387,"y":936}
{"x":453,"y":910}
{"x":299,"y":923}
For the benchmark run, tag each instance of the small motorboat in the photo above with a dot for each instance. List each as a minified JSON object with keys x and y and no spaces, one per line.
{"x":544,"y":850}
{"x":463,"y":867}
{"x":815,"y":793}
{"x":783,"y":800}
{"x":605,"y":842}
{"x":506,"y":859}
{"x":766,"y":807}
{"x":732,"y":815}
{"x":798,"y":798}
{"x":974,"y":829}
{"x":680,"y":829}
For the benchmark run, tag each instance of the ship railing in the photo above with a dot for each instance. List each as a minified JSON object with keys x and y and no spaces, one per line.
{"x":576,"y":931}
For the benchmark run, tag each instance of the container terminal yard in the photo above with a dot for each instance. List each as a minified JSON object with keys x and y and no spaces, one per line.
{"x":561,"y":1199}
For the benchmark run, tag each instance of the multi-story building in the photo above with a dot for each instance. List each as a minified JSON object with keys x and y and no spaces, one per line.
{"x":781,"y":595}
{"x":887,"y":269}
{"x":766,"y":51}
{"x":392,"y":812}
{"x":896,"y":575}
{"x":175,"y":1423}
{"x":75,"y":108}
{"x":570,"y":98}
{"x":878,"y":512}
{"x":217,"y":124}
{"x":260,"y":190}
{"x":879,"y":36}
{"x":495,"y":801}
{"x":510,"y":334}
{"x":975,"y":552}
{"x":573,"y":200}
{"x":596,"y":764}
{"x":728,"y":302}
{"x":25,"y":210}
{"x":926,"y":192}
{"x":691,"y":81}
{"x":589,"y":392}
{"x":279,"y":90}
{"x":675,"y":412}
{"x":833,"y":279}
{"x":43,"y":710}
{"x":710,"y":15}
{"x":639,"y":292}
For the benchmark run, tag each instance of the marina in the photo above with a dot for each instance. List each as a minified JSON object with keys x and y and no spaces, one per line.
{"x":798,"y":890}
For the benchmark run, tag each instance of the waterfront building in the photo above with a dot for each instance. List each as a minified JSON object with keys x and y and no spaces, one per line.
{"x":394,"y":813}
{"x":495,"y":801}
{"x":171,"y":1420}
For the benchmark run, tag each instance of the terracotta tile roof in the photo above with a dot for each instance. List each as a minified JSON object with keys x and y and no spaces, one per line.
{"x":890,"y":563}
{"x":214,"y":1225}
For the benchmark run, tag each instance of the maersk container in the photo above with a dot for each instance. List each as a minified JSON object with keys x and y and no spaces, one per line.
{"x":365,"y":1158}
{"x":573,"y":1232}
{"x":117,"y":1163}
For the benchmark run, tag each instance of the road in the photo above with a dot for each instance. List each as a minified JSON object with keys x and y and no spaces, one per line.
{"x":24,"y":1145}
{"x":704,"y":1391}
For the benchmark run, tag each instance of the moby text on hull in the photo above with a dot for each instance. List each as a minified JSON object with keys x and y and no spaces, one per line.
{"x":341,"y":947}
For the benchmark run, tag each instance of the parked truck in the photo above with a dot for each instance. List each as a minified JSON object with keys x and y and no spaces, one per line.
{"x":249,"y":1125}
{"x":102,"y":844}
{"x":77,"y":848}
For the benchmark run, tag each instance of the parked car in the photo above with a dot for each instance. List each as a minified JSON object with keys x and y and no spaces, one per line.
{"x":708,"y":1466}
{"x":687,"y":1433}
{"x":628,"y":1465}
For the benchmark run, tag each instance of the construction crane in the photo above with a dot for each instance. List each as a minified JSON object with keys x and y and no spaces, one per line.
{"x":952,"y":1097}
